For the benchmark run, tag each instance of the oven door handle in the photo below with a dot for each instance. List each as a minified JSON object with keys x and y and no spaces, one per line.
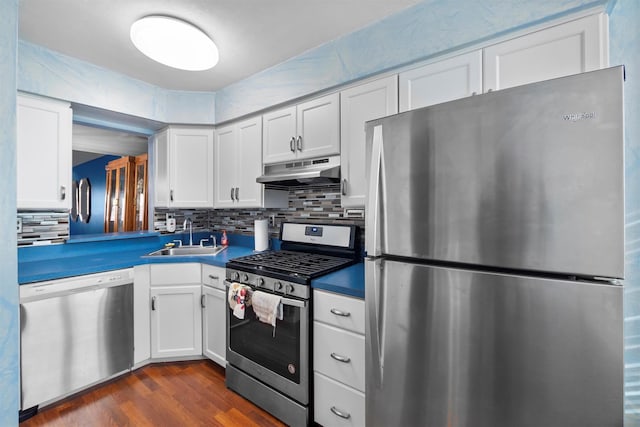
{"x":283,"y":300}
{"x":293,"y":302}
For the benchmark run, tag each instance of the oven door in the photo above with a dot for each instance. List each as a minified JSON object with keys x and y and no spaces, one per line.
{"x":280,"y":357}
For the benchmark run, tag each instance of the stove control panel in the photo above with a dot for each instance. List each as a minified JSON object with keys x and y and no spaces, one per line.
{"x":269,"y":284}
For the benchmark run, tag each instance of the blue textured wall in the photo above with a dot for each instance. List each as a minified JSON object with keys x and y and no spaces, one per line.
{"x":45,"y":72}
{"x":9,"y":330}
{"x":428,"y":29}
{"x":625,"y":49}
{"x":94,"y":170}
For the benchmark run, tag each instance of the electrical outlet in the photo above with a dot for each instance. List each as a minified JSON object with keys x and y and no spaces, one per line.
{"x":272,"y":220}
{"x":19,"y":225}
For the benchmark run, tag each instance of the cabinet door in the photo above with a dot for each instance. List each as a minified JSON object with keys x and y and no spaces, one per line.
{"x":279,"y":130}
{"x":249,"y":165}
{"x":214,"y":335}
{"x":441,"y":81}
{"x":176,"y":321}
{"x":226,"y":166}
{"x":318,"y":125}
{"x":191,"y":167}
{"x":565,"y":49}
{"x":161,"y":185}
{"x":44,"y":129}
{"x":357,"y":105}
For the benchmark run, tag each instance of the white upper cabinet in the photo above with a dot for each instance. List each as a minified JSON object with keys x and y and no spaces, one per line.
{"x":570,"y":48}
{"x":238,"y":162}
{"x":359,"y":104}
{"x":44,"y":132}
{"x":441,"y":81}
{"x":183,"y":167}
{"x":310,"y":129}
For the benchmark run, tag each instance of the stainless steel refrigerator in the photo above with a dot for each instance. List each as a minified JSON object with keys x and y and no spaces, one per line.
{"x":494,"y":238}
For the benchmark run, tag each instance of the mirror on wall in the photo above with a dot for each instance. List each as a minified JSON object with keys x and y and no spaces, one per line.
{"x":93,"y":149}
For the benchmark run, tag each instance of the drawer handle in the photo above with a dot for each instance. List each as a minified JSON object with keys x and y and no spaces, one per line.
{"x":212,"y":277}
{"x":339,"y":413}
{"x":339,"y":358}
{"x":340,"y":313}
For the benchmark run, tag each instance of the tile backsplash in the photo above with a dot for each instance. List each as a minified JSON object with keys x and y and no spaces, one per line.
{"x":314,"y":204}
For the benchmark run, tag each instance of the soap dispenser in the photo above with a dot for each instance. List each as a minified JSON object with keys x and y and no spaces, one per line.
{"x":224,"y":240}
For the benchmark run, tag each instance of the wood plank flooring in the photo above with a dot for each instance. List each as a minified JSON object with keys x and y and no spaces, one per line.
{"x":165,"y":394}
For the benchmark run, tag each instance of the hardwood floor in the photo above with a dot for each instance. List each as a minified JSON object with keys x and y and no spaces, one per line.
{"x":167,"y":394}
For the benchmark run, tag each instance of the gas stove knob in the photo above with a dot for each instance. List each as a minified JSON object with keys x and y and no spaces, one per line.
{"x":245,"y":277}
{"x":278,"y":286}
{"x":290,"y":289}
{"x":260,"y":281}
{"x":236,"y":276}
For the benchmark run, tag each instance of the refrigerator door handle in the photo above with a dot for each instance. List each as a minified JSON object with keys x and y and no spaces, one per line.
{"x":374,"y":309}
{"x":372,"y":244}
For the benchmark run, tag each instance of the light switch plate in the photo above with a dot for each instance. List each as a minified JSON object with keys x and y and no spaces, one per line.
{"x":19,"y":225}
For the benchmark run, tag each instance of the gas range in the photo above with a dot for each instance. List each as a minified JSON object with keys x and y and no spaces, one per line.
{"x":271,"y":364}
{"x":308,"y":251}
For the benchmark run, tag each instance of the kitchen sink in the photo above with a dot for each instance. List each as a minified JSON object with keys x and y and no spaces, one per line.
{"x":188,"y":251}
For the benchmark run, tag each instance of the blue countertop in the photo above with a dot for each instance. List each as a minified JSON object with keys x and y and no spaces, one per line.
{"x":95,"y":255}
{"x":347,"y":281}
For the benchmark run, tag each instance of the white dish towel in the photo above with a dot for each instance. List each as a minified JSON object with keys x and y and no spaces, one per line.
{"x":268,"y":307}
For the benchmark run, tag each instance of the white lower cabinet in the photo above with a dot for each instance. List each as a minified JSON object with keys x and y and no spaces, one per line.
{"x":338,"y":360}
{"x":176,"y":316}
{"x":176,"y":321}
{"x":335,"y":404}
{"x":214,"y":333}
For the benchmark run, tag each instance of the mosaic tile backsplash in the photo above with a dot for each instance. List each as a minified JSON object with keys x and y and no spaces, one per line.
{"x":316,"y":204}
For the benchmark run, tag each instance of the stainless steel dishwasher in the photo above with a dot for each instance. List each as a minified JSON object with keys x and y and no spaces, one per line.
{"x":74,"y":332}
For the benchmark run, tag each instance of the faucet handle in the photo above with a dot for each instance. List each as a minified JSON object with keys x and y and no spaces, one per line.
{"x":202,"y":242}
{"x":179,"y":242}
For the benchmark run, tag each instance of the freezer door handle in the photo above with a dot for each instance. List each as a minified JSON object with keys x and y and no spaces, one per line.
{"x":376,"y":172}
{"x":374,"y":313}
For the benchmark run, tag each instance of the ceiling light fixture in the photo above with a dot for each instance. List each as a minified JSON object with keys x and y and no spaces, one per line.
{"x":174,"y":42}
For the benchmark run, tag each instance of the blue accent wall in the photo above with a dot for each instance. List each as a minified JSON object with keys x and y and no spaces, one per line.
{"x":9,"y":320}
{"x":94,"y":170}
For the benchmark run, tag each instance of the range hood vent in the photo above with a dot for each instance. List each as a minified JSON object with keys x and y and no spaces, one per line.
{"x":322,"y":170}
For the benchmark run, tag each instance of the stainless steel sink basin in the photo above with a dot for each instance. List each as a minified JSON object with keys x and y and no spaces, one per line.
{"x":188,"y":251}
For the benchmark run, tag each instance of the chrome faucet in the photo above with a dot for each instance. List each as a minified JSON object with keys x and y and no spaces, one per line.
{"x":184,"y":227}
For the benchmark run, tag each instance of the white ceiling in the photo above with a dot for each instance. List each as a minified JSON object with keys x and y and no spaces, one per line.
{"x":251,"y":35}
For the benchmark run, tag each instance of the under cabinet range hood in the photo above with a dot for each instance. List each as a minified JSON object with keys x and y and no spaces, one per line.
{"x":322,"y":170}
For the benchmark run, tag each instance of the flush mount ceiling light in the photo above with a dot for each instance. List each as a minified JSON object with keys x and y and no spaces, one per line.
{"x":174,"y":42}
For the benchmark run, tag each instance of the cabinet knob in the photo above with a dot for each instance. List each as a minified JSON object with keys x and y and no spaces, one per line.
{"x":343,"y":190}
{"x":232,"y":194}
{"x":171,"y":195}
{"x":202,"y":300}
{"x":237,"y":194}
{"x":153,"y":303}
{"x":63,"y":192}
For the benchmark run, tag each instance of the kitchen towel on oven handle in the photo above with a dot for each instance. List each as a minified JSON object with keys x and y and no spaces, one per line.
{"x":239,"y":298}
{"x":267,"y":307}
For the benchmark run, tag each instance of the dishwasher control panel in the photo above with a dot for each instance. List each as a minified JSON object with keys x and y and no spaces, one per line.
{"x":83,"y":283}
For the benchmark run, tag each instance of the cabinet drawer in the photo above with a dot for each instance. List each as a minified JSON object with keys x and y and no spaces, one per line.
{"x":213,"y":276}
{"x":332,"y":398}
{"x":175,"y":274}
{"x":339,"y":310}
{"x":331,"y":344}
